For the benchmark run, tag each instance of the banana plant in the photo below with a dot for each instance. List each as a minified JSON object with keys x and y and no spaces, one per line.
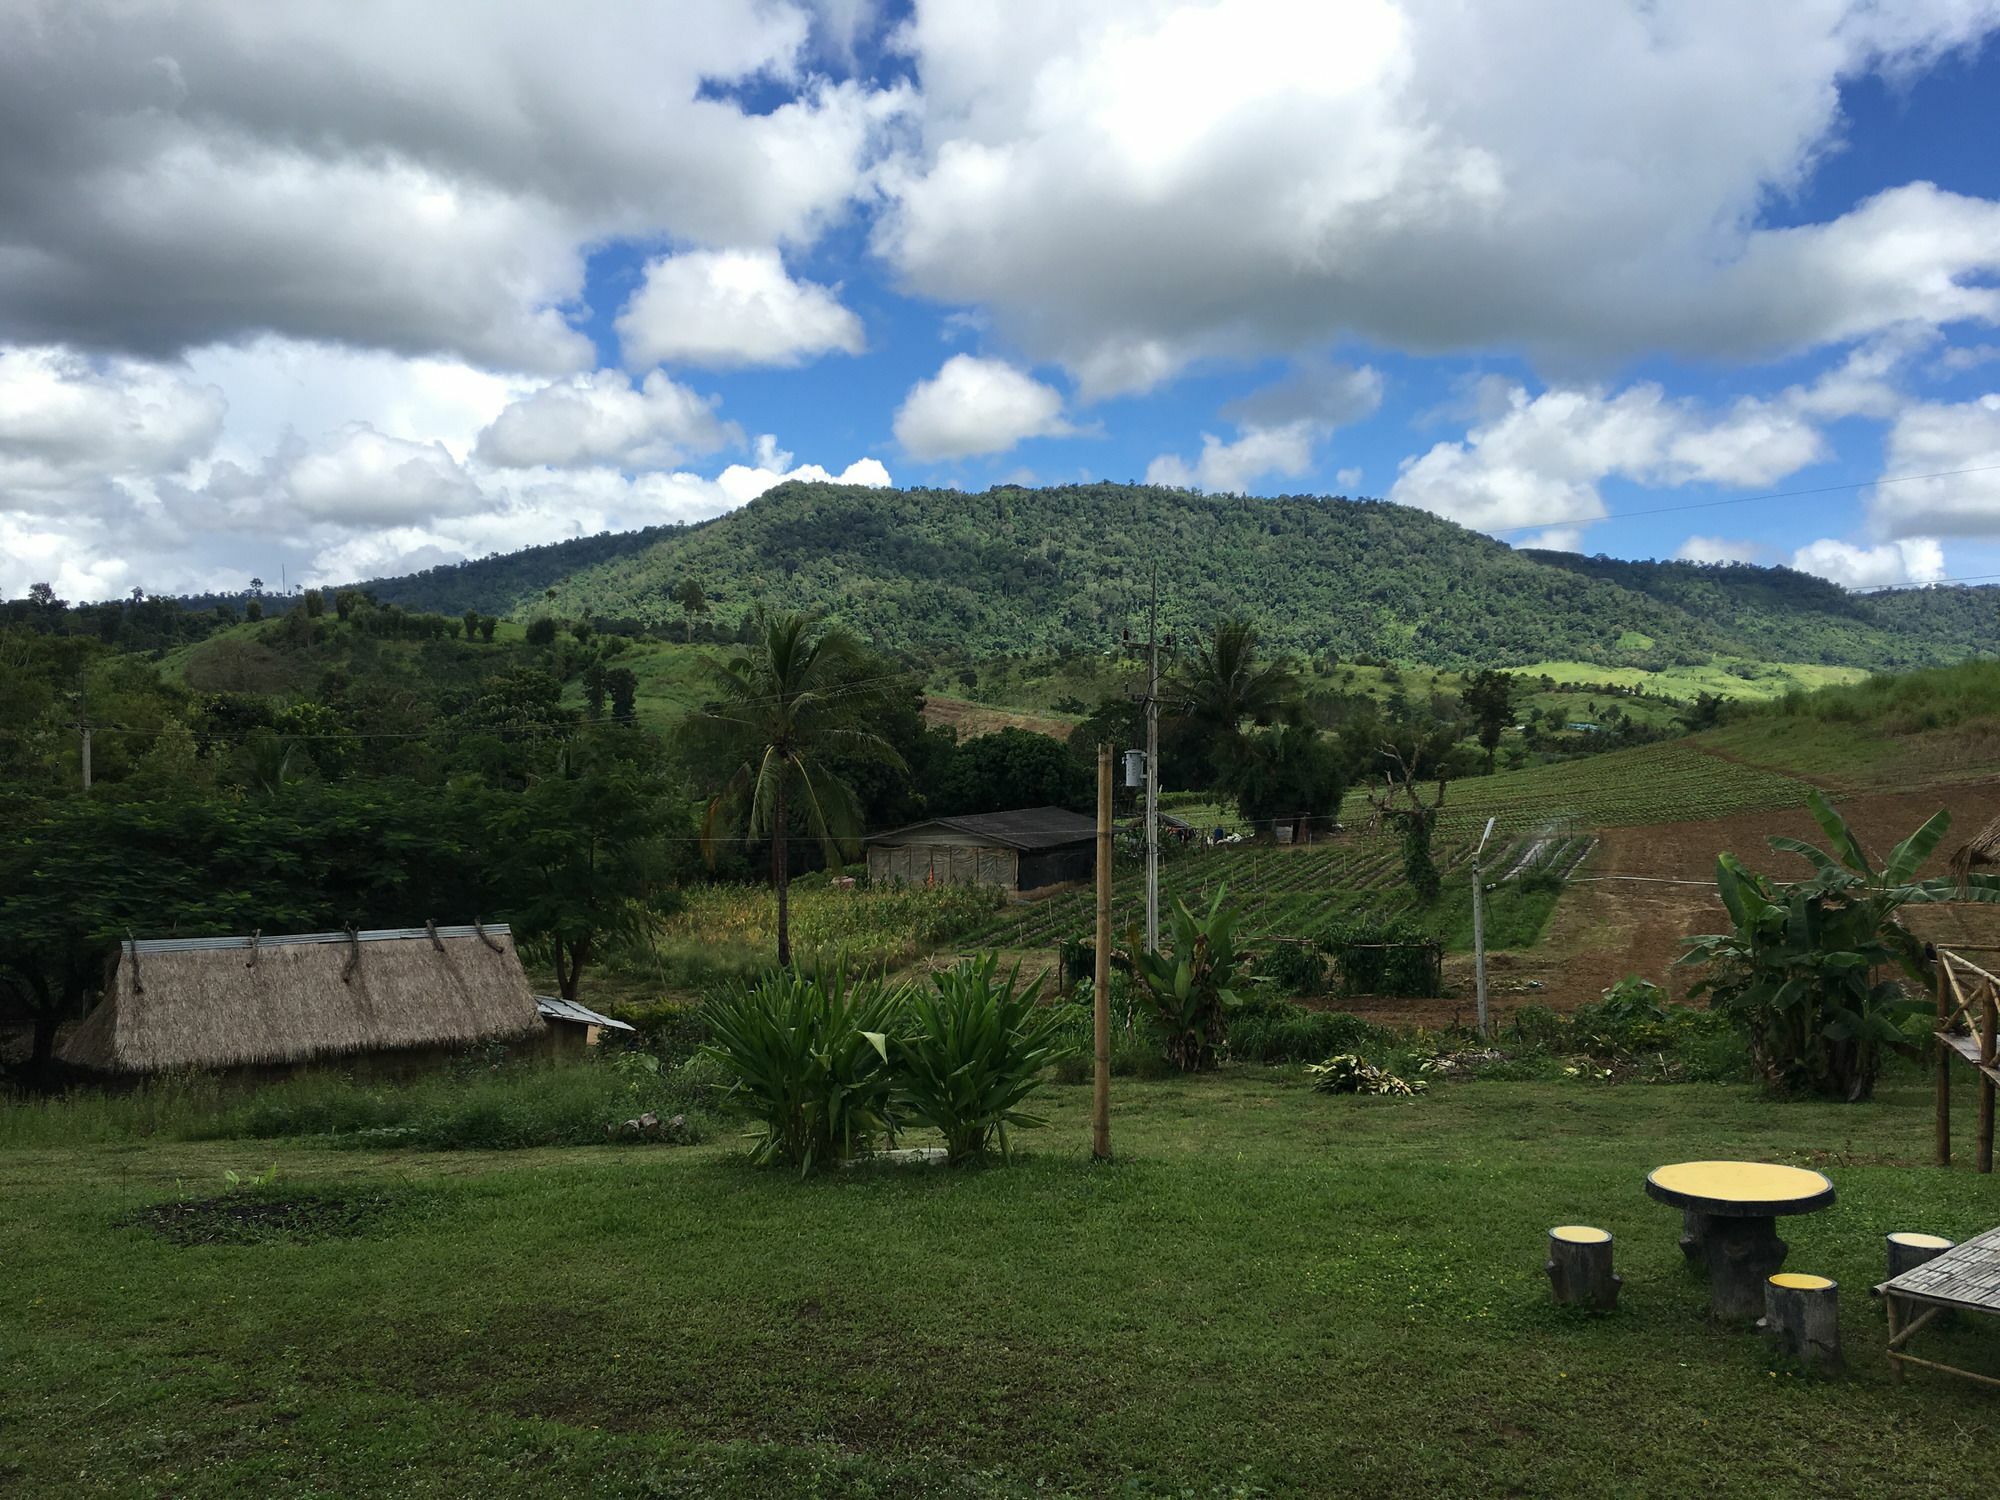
{"x":1813,"y":972}
{"x":1190,"y":987}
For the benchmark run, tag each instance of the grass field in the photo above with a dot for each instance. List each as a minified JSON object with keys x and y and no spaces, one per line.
{"x":1271,"y":1292}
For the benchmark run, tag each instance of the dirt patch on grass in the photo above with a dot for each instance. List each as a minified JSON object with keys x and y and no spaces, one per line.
{"x":258,"y":1219}
{"x":968,"y":719}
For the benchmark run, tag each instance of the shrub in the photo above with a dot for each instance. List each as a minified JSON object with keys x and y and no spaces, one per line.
{"x":974,"y":1050}
{"x":1189,"y":989}
{"x":1384,"y":956}
{"x":809,"y":1050}
{"x":1280,"y":1032}
{"x":1295,"y":968}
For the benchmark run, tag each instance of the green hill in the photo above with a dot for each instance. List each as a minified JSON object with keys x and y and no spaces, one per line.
{"x":1015,"y":571}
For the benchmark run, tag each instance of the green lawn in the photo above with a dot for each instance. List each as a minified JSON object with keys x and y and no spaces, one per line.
{"x":1270,"y":1292}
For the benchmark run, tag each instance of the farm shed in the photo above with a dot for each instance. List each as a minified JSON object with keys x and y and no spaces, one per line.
{"x":1025,"y":850}
{"x":572,"y":1027}
{"x":178,"y":1004}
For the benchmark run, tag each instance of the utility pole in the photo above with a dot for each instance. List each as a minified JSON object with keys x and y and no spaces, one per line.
{"x":1100,"y":974}
{"x":1152,"y":649}
{"x":1479,"y":929}
{"x":83,"y":722}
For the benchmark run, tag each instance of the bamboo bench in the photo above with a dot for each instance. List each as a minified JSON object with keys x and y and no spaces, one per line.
{"x":1965,"y":1278}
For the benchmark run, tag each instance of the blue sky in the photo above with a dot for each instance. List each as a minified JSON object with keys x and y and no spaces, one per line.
{"x":320,"y":291}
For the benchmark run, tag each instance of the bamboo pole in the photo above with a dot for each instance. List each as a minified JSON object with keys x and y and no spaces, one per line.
{"x":1986,"y":1086}
{"x":1100,"y":988}
{"x":1940,"y":961}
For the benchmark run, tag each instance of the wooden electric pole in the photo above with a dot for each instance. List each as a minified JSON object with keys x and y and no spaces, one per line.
{"x":83,"y":723}
{"x":1100,"y":975}
{"x":1479,"y":930}
{"x":1151,"y":647}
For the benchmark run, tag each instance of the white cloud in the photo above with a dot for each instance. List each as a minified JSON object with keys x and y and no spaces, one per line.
{"x":1540,"y":460}
{"x":1133,"y":185}
{"x":1348,"y":480}
{"x":1945,"y":439}
{"x":179,"y":174}
{"x":1555,"y":539}
{"x":1910,"y":560}
{"x":1717,"y":549}
{"x":68,"y":425}
{"x":361,"y":477}
{"x":600,"y":419}
{"x":1278,"y":428}
{"x":1231,"y":468}
{"x":973,"y":406}
{"x":729,"y":308}
{"x":1967,"y":357}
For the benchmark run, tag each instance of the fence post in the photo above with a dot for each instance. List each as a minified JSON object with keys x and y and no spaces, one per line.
{"x":1943,"y":1057}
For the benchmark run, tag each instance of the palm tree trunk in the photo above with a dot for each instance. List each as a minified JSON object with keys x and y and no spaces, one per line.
{"x":781,"y":873}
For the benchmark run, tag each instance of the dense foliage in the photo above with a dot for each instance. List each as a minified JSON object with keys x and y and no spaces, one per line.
{"x":1029,"y":569}
{"x":1190,"y":986}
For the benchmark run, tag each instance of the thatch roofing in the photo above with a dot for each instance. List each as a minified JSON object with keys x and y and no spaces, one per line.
{"x":1983,"y":848}
{"x":198,"y":1003}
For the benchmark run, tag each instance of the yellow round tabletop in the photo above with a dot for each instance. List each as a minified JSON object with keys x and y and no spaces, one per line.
{"x":1747,"y":1188}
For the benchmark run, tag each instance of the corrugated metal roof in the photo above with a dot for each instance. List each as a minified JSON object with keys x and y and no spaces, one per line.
{"x":1025,"y":828}
{"x":554,"y":1008}
{"x":384,"y":935}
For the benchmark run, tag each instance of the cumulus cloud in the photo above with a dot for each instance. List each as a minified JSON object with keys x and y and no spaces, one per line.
{"x":361,"y":477}
{"x":975,"y":405}
{"x":1945,"y":439}
{"x":69,"y":425}
{"x":729,"y":308}
{"x":1278,"y":428}
{"x":602,"y":419}
{"x":173,"y":175}
{"x":1909,"y":560}
{"x":1540,"y":460}
{"x":1555,"y":539}
{"x":1717,"y":549}
{"x":1131,"y":186}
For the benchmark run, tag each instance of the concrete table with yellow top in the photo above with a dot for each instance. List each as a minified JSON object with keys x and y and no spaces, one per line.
{"x":1730,"y":1211}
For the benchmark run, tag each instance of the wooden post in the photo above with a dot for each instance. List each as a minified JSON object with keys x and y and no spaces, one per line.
{"x":1579,"y":1268}
{"x":1943,"y":1059}
{"x":1907,"y":1251}
{"x":1989,"y":1056}
{"x":1100,"y":984}
{"x":1802,"y":1313}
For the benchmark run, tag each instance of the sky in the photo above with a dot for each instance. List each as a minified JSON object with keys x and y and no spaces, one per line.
{"x":320,"y":290}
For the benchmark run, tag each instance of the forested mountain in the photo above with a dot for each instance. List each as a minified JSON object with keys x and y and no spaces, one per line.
{"x":1016,"y":570}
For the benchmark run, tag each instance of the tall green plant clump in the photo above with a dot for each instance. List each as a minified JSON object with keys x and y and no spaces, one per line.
{"x":1384,"y":956}
{"x":973,"y":1052}
{"x":1190,"y":988}
{"x":834,"y":1065}
{"x":1813,"y":972}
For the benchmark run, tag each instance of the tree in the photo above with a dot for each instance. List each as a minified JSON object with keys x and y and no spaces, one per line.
{"x":593,"y":691}
{"x":1489,"y":698}
{"x":579,"y":856}
{"x":1799,"y":971}
{"x":782,"y":708}
{"x":689,"y":596}
{"x":315,"y":604}
{"x":487,"y":625}
{"x":542,"y":631}
{"x":253,"y":608}
{"x":471,"y":624}
{"x":1289,"y":772}
{"x":256,"y":586}
{"x":1012,"y":768}
{"x":1225,"y":683}
{"x":1416,"y":756}
{"x":623,"y":686}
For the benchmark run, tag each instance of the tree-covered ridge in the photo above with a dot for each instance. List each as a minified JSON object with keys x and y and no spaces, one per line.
{"x":1016,"y":570}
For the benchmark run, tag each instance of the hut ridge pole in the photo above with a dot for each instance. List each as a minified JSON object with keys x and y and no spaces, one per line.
{"x":1938,"y":961}
{"x":1100,"y":979}
{"x":1988,"y":1055}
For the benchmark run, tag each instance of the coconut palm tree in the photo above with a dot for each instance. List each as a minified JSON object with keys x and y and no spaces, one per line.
{"x":794,"y":698}
{"x":1225,"y":683}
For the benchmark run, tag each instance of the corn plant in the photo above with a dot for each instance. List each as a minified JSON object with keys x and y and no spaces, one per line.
{"x":1810,"y":972}
{"x":1190,"y":987}
{"x":973,"y":1051}
{"x":810,"y":1051}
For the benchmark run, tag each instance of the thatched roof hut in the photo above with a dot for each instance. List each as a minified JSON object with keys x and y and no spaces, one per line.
{"x":233,"y":1002}
{"x":1982,"y":850}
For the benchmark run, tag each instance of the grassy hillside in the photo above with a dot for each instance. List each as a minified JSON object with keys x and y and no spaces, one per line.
{"x":1017,"y":571}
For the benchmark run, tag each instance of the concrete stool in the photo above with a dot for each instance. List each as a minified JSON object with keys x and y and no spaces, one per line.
{"x":1579,"y":1268}
{"x":1908,"y":1250}
{"x":1802,"y":1314}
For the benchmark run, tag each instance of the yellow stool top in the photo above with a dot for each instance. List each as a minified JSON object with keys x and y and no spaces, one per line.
{"x":1579,"y":1234}
{"x":1794,"y":1281}
{"x":1921,"y":1241}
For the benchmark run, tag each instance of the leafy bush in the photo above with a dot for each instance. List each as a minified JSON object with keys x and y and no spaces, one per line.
{"x":809,"y":1050}
{"x":1189,"y":988}
{"x":1347,"y":1073}
{"x":1798,"y":972}
{"x":1280,"y":1032}
{"x":973,"y":1051}
{"x":1295,"y":968}
{"x":1384,"y":956}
